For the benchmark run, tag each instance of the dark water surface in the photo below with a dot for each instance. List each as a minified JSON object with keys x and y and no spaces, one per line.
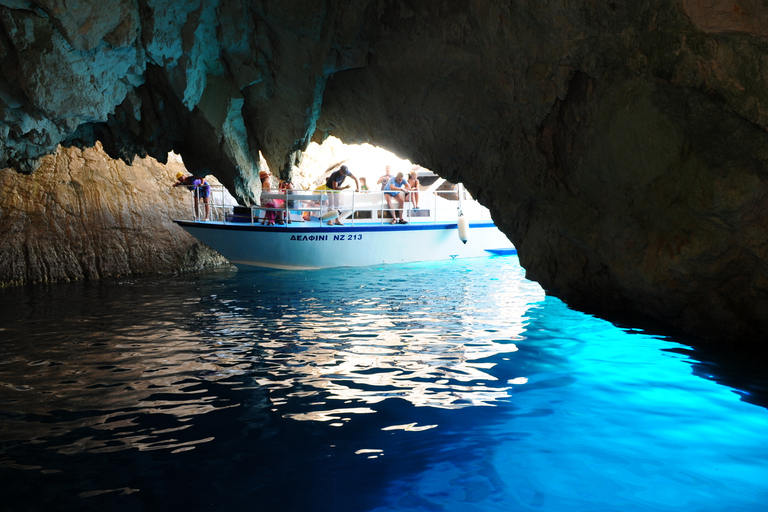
{"x":450,"y":386}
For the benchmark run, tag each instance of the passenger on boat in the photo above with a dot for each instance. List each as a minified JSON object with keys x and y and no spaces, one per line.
{"x":200,"y":188}
{"x":413,"y":184}
{"x":396,"y":187}
{"x":334,"y":183}
{"x":364,"y":185}
{"x":270,"y":216}
{"x":286,"y":187}
{"x":385,"y":179}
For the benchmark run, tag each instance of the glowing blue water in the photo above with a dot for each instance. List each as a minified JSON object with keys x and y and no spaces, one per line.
{"x":454,"y":386}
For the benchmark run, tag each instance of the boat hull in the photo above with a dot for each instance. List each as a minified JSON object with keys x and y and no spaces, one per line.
{"x":302,"y":247}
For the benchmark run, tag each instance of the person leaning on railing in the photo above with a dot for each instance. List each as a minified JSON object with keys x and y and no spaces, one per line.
{"x":200,"y":188}
{"x":334,"y":183}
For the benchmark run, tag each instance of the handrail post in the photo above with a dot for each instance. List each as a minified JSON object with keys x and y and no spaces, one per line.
{"x":434,"y":208}
{"x":196,"y":196}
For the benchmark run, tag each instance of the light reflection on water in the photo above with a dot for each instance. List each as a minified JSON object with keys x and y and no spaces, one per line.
{"x":381,"y":343}
{"x":453,"y":386}
{"x":100,"y":355}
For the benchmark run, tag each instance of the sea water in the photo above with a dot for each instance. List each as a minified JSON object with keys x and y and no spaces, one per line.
{"x":452,"y":386}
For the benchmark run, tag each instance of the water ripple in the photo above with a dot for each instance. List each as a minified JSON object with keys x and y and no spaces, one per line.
{"x":455,"y":386}
{"x":115,"y":360}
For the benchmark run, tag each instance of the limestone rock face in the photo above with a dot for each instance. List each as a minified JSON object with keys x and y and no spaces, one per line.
{"x":84,"y":215}
{"x":622,"y":146}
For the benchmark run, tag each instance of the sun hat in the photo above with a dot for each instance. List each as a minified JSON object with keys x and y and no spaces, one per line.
{"x":264,"y":174}
{"x":179,"y":174}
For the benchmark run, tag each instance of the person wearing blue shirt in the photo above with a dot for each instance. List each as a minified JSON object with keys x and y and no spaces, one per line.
{"x":396,"y":187}
{"x":200,"y":188}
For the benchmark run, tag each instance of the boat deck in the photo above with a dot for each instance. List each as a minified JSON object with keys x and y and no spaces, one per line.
{"x":447,"y":229}
{"x":353,"y":208}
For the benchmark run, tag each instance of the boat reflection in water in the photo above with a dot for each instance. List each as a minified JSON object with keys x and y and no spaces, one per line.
{"x":318,"y":356}
{"x":426,"y":370}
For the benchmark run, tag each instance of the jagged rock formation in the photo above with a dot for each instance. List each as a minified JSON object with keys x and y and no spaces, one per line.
{"x":83,"y":215}
{"x":621,"y":146}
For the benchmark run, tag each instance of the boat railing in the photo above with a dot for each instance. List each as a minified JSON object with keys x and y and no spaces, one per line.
{"x":220,"y":202}
{"x":367,"y":206}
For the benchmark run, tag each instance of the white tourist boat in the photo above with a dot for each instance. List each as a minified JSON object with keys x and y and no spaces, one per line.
{"x":448,"y":225}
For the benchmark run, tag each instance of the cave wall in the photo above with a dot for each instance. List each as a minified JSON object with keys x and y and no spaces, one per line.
{"x":83,"y":215}
{"x":620,"y":145}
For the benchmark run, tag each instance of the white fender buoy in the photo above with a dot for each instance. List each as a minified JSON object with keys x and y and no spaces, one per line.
{"x":330,"y":215}
{"x":463,"y":224}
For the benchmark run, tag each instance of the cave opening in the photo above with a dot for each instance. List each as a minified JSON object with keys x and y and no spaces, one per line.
{"x":364,"y":161}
